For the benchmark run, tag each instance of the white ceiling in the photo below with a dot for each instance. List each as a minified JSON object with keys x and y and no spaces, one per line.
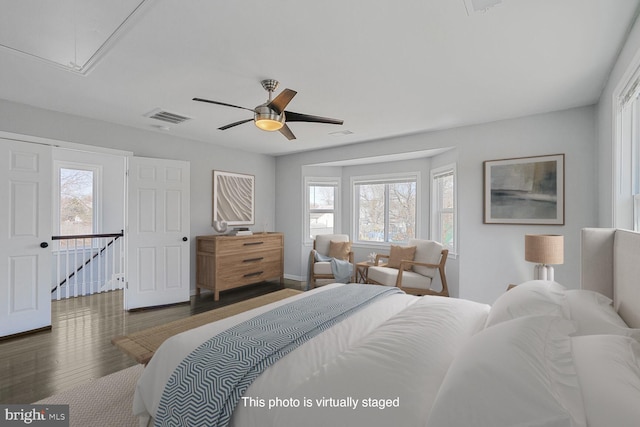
{"x":385,"y":67}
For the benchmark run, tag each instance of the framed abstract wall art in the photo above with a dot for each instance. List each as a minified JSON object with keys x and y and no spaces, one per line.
{"x":233,"y":198}
{"x":525,"y":190}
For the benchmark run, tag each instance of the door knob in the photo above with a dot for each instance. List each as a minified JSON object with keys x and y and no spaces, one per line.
{"x":184,"y":239}
{"x":44,"y":245}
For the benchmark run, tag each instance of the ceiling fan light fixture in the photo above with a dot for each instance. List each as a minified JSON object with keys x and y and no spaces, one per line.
{"x":272,"y":116}
{"x":269,"y":120}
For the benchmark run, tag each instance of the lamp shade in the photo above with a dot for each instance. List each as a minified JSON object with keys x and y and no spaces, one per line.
{"x":544,"y":248}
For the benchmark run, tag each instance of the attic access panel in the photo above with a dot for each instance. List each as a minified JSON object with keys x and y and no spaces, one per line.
{"x":68,"y":33}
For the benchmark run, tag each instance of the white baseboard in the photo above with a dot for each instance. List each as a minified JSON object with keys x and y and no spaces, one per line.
{"x":298,"y":278}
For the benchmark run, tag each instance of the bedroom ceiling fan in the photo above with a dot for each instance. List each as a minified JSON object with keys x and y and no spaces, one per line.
{"x":271,"y":115}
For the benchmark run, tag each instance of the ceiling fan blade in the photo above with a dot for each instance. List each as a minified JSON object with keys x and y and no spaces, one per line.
{"x":221,"y":103}
{"x":287,"y":132}
{"x":230,"y":125}
{"x":299,"y":117}
{"x":280,"y":102}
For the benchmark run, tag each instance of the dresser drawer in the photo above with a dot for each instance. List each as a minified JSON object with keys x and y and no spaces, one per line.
{"x":249,"y":243}
{"x":247,"y":259}
{"x":251,"y":268}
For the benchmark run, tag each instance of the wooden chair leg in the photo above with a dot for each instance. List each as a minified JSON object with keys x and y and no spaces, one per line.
{"x":443,"y":279}
{"x":312,"y":279}
{"x":443,"y":276}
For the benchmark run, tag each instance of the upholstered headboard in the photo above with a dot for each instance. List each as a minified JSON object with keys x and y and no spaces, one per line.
{"x":611,"y":265}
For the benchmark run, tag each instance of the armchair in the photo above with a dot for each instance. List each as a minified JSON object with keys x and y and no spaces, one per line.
{"x":414,"y":276}
{"x":323,"y":245}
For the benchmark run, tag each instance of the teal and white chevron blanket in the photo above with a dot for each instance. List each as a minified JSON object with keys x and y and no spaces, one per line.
{"x":207,"y":385}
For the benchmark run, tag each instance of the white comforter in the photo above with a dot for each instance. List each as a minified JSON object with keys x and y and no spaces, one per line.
{"x":393,"y":352}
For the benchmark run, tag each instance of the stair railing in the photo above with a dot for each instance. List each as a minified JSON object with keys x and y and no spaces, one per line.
{"x":85,"y":264}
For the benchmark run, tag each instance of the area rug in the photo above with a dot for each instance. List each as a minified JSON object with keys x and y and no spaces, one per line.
{"x":141,"y":345}
{"x":106,"y":401}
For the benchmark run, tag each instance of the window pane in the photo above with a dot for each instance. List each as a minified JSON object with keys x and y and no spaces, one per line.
{"x":402,"y":211}
{"x":443,"y":209}
{"x":371,"y":203}
{"x":321,"y":197}
{"x":445,"y":190}
{"x":76,"y":201}
{"x":386,"y":211}
{"x":320,"y":223}
{"x":446,"y":229}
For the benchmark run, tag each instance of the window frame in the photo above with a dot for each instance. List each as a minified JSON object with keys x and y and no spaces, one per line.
{"x":435,"y":204}
{"x":332,"y":181}
{"x":625,"y":212}
{"x":382,"y":179}
{"x":97,"y":193}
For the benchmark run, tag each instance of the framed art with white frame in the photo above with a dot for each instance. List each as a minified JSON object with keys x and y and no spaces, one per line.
{"x":525,"y":190}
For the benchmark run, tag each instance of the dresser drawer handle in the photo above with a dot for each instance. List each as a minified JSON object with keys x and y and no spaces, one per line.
{"x":253,"y":243}
{"x":253,"y":259}
{"x":257,"y":273}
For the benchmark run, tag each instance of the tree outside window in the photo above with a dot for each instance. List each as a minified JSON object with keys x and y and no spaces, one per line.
{"x":386,"y":210}
{"x":76,"y":202}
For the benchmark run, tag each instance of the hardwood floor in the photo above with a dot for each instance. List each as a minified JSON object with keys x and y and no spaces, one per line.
{"x":78,"y":347}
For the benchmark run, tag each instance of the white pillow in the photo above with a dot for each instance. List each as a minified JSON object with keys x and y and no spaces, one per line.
{"x":517,"y":373}
{"x":592,"y":311}
{"x":594,"y":314}
{"x":608,"y":368}
{"x":536,"y":297}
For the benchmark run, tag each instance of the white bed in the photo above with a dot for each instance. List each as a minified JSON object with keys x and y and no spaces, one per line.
{"x":540,"y":356}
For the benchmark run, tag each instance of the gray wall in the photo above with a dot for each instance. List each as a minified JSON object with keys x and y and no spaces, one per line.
{"x":490,"y":256}
{"x":26,"y":120}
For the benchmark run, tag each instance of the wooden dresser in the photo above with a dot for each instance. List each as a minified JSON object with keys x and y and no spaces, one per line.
{"x":227,"y":262}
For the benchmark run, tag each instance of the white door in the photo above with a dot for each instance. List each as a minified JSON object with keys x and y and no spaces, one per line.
{"x":25,"y":236}
{"x":157,"y":233}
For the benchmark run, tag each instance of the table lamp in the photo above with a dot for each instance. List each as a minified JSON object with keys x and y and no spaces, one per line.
{"x":544,"y":249}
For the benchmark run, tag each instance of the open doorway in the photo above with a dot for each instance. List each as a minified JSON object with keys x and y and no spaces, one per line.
{"x":88,"y":220}
{"x":149,"y":210}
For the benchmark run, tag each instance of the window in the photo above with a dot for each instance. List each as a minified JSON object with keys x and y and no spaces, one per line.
{"x":443,"y":207}
{"x":385,"y":208}
{"x":627,"y":177}
{"x":77,"y":200}
{"x":322,"y":200}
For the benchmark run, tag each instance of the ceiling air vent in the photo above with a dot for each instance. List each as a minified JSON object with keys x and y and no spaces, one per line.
{"x":166,"y":116}
{"x":341,"y":133}
{"x":476,"y":6}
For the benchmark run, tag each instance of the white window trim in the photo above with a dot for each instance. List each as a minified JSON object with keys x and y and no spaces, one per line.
{"x":97,"y":192}
{"x":636,"y":212}
{"x":337,"y":212}
{"x":624,"y":174}
{"x":452,"y":167}
{"x":381,"y":178}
